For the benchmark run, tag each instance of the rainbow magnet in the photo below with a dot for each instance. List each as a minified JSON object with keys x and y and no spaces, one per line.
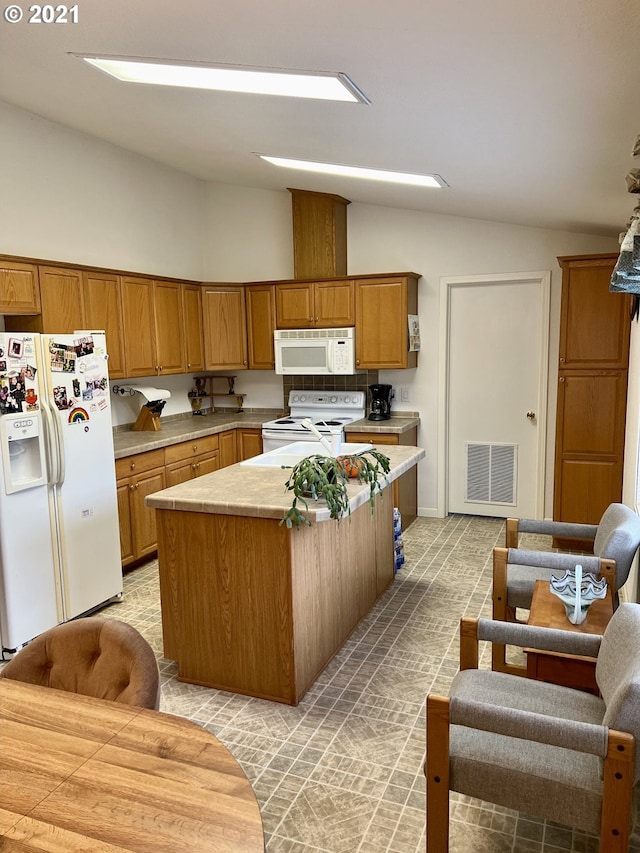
{"x":78,"y":415}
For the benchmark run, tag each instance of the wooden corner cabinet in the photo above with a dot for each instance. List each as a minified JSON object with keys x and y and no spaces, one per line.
{"x":261,"y":322}
{"x":225,"y":327}
{"x":592,"y":390}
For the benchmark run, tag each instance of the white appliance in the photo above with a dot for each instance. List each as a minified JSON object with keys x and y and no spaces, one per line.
{"x":315,"y":352}
{"x":59,"y":535}
{"x":328,"y":411}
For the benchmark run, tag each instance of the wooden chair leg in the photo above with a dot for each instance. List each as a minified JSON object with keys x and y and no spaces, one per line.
{"x":437,"y":773}
{"x":617,"y":795}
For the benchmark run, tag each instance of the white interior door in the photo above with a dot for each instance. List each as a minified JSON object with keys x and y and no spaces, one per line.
{"x":496,"y":345}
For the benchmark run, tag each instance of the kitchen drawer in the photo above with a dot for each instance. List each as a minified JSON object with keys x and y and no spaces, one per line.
{"x":187,"y":449}
{"x":130,"y":465}
{"x":374,"y":438}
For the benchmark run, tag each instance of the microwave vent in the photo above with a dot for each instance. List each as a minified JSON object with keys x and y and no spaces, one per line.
{"x":305,"y":334}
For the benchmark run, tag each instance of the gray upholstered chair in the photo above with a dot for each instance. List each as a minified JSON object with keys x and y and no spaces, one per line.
{"x":104,"y":658}
{"x":615,"y":542}
{"x":553,"y":752}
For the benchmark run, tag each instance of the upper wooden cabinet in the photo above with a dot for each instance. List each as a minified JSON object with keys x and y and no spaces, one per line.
{"x":103,"y":311}
{"x":594,"y":323}
{"x":139,"y":326}
{"x":61,"y":299}
{"x":261,"y":321}
{"x":192,"y":318}
{"x":225,"y":327}
{"x":382,"y":335}
{"x":169,"y":327}
{"x":316,"y":304}
{"x":153,"y":326}
{"x":19,"y":291}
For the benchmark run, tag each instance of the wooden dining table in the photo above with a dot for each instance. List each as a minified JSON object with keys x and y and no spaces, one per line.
{"x":83,"y":774}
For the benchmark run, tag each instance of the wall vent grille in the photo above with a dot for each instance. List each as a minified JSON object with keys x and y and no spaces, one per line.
{"x":491,"y":473}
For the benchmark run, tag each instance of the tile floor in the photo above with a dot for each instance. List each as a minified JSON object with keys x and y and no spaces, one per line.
{"x":342,"y":772}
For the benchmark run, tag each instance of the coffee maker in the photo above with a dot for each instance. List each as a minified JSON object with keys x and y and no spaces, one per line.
{"x":380,"y":402}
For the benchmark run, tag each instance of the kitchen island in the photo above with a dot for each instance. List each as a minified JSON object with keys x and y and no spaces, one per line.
{"x":252,"y":607}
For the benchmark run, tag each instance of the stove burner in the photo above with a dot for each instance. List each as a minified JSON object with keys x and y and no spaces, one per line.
{"x":285,"y":421}
{"x":328,"y":423}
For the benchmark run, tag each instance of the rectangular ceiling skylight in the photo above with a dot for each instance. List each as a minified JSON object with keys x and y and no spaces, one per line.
{"x":357,"y":172}
{"x":326,"y":86}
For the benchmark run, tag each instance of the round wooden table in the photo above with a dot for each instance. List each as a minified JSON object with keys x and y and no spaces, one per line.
{"x":86,"y":774}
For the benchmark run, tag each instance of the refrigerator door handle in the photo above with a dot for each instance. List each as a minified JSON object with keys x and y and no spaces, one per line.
{"x":50,"y":445}
{"x":60,"y":466}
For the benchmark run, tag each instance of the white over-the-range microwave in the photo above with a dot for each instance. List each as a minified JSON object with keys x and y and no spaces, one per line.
{"x":317,"y":352}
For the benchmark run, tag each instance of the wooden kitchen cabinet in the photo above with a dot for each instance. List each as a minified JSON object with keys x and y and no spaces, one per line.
{"x":192,"y":324}
{"x":261,"y":322}
{"x":61,"y":299}
{"x":103,"y":310}
{"x":316,"y":304}
{"x":592,"y":390}
{"x":228,"y":447}
{"x":153,"y":326}
{"x":249,"y":443}
{"x":138,"y":476}
{"x":139,"y":326}
{"x":169,"y":327}
{"x":405,"y":488}
{"x":190,"y":459}
{"x":382,"y":335}
{"x":225,"y":327}
{"x":19,"y":288}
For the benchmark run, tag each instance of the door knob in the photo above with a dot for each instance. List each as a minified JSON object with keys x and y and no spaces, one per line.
{"x":531,"y":415}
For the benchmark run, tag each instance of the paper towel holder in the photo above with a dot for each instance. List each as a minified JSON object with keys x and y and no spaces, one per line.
{"x":149,"y":415}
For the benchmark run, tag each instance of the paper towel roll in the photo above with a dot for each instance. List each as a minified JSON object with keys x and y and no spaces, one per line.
{"x":151,"y":394}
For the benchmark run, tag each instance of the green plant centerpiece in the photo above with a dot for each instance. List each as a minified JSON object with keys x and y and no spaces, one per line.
{"x":318,"y":476}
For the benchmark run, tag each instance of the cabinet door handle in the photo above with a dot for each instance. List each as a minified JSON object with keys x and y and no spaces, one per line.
{"x":132,"y":466}
{"x":132,"y":486}
{"x":561,"y":379}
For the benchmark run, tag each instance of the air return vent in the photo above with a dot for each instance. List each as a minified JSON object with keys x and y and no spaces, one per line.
{"x":491,"y":473}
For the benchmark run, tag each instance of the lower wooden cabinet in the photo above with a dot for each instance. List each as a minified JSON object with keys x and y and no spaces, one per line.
{"x":228,"y":447}
{"x":249,"y":443}
{"x":191,"y":459}
{"x":138,"y":476}
{"x":405,"y":488}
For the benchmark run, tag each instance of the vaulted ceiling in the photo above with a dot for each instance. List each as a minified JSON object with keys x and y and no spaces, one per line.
{"x":529,"y":111}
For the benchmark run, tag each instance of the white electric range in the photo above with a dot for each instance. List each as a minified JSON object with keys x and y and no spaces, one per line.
{"x":329,"y":411}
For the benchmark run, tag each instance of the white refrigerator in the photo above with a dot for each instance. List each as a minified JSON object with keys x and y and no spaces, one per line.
{"x":59,"y":534}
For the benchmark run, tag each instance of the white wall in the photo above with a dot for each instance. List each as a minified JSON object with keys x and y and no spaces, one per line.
{"x":70,"y":197}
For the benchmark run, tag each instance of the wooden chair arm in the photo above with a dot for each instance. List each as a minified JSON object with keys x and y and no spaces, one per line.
{"x":512,"y":533}
{"x":468,"y":643}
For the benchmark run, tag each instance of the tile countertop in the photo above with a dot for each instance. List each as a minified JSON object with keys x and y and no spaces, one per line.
{"x":174,"y":430}
{"x":259,"y":492}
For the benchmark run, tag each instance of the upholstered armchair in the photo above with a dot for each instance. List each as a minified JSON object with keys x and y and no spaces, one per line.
{"x":515,"y":570}
{"x":104,"y":658}
{"x":553,"y":752}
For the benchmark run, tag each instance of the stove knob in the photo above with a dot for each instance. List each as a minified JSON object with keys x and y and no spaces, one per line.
{"x":333,"y":399}
{"x":295,"y":398}
{"x":347,"y":400}
{"x":303,"y":399}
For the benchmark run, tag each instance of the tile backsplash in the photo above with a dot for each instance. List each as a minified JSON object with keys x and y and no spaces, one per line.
{"x":357,"y":382}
